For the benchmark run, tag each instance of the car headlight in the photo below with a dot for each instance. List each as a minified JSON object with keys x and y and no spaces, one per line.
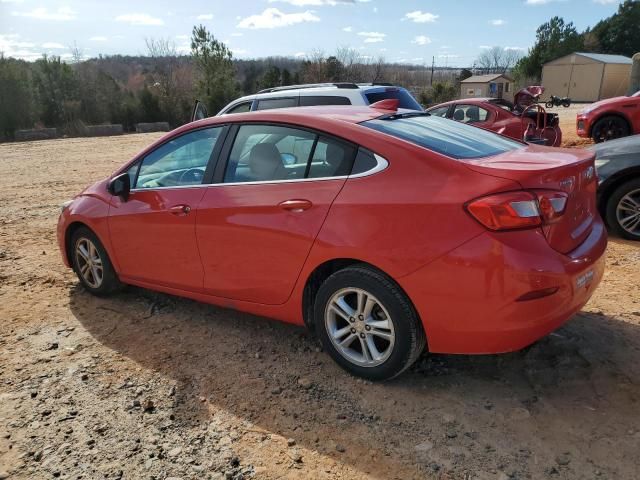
{"x":63,"y":206}
{"x":601,"y":163}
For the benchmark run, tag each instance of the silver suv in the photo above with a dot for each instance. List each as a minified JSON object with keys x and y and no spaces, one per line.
{"x":316,"y":94}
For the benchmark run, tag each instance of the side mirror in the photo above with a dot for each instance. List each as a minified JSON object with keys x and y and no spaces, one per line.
{"x":120,"y":186}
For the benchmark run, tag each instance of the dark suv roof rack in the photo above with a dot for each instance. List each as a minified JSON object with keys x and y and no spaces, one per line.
{"x":310,"y":85}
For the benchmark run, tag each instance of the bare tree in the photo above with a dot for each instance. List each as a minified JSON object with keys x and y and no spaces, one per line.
{"x":498,"y":59}
{"x":166,"y":75}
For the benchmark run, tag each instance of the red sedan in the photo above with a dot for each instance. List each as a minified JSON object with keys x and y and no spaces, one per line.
{"x":382,"y":231}
{"x":611,"y":118}
{"x":530,"y":123}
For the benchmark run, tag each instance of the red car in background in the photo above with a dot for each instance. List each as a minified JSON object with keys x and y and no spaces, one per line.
{"x":611,"y":118}
{"x":382,"y":231}
{"x":530,"y":123}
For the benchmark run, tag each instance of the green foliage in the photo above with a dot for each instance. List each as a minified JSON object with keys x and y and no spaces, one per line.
{"x":216,"y":85}
{"x":618,"y":34}
{"x":271,"y":78}
{"x":554,"y":39}
{"x":15,"y":96}
{"x":56,"y":88}
{"x":439,"y":92}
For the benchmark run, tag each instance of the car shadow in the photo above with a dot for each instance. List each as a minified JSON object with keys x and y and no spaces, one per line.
{"x":575,"y":388}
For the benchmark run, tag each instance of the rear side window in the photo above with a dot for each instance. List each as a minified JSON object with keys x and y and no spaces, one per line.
{"x":271,"y":103}
{"x":406,"y":100}
{"x":265,"y":153}
{"x":309,"y":101}
{"x":445,"y":136}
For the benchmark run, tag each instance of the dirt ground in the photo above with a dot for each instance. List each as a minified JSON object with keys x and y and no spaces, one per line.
{"x":568,"y":125}
{"x":148,"y":386}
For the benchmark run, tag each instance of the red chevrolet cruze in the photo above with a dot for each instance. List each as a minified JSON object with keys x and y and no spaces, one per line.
{"x":382,"y":231}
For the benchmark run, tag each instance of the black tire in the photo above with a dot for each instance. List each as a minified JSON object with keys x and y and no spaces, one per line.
{"x":609,"y":128}
{"x":109,"y":282}
{"x":408,"y":333}
{"x":549,"y":104}
{"x":612,"y":209}
{"x":566,"y":103}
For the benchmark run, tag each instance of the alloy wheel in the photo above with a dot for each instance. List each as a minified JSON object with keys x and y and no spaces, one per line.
{"x":359,"y":327}
{"x":89,"y":262}
{"x":628,"y":212}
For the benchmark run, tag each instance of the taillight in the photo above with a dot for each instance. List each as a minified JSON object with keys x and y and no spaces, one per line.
{"x":516,"y":210}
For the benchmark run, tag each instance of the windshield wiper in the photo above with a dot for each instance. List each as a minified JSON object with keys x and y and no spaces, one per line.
{"x":397,"y":116}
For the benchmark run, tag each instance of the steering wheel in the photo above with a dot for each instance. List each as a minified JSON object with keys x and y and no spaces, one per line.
{"x":191,"y":176}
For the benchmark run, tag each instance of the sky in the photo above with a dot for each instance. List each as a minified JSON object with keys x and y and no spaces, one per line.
{"x":454,"y":32}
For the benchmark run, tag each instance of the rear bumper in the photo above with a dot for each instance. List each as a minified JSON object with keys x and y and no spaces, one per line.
{"x":468,"y":303}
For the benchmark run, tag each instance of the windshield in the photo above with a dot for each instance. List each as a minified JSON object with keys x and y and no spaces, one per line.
{"x":406,"y":100}
{"x":444,"y":136}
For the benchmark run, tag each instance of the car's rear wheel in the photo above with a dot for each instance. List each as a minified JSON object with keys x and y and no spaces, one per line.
{"x":367,"y":324}
{"x":92,"y":264}
{"x":623,"y":210}
{"x":609,"y":128}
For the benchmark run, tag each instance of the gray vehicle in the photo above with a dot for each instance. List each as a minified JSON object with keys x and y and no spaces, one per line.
{"x":618,"y":166}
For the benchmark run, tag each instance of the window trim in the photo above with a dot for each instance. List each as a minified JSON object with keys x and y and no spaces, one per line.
{"x":228,"y":111}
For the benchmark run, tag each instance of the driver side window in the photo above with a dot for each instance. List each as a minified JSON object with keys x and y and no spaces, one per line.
{"x":181,"y":161}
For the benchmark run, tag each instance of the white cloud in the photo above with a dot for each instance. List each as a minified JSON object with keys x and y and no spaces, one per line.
{"x":53,"y":45}
{"x":237,"y":34}
{"x":139,"y":19}
{"x":205,"y":16}
{"x":312,"y":3}
{"x":518,"y":49}
{"x":300,"y":54}
{"x":41,"y":13}
{"x":497,"y":22}
{"x":419,"y":16}
{"x":421,"y":40}
{"x":274,"y":18}
{"x":347,"y":29}
{"x":372,"y":37}
{"x":98,"y":38}
{"x":485,"y":46}
{"x":12,"y":46}
{"x":11,"y":1}
{"x":538,"y":2}
{"x":448,"y":56}
{"x":182,"y":37}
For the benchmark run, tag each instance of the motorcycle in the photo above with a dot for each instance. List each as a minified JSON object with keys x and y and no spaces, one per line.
{"x":557,"y":101}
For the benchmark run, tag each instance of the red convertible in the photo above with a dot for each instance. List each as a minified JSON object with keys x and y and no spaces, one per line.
{"x":611,"y":118}
{"x":523,"y":120}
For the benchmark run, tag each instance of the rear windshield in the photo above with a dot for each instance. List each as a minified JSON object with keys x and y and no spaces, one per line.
{"x":406,"y":100}
{"x":444,"y":136}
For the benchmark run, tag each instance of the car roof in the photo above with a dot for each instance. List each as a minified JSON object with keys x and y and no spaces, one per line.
{"x":467,"y":101}
{"x":314,"y":90}
{"x":299,"y":115}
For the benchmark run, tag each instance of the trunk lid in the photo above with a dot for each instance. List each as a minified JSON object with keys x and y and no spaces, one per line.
{"x":544,"y":168}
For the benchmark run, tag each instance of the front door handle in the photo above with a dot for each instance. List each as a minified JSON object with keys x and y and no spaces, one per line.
{"x":295,"y":205}
{"x":180,"y":210}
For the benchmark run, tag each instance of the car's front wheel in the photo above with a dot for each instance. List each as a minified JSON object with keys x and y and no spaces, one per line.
{"x":92,"y":264}
{"x":609,"y":128}
{"x":623,"y":210}
{"x":367,"y":324}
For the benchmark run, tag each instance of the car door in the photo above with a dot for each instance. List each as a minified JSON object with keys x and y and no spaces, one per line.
{"x":153,"y":231}
{"x":256,"y":226}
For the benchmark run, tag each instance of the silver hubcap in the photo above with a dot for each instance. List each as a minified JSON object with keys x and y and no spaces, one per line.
{"x":359,"y":327}
{"x":89,"y":262}
{"x":628,"y":212}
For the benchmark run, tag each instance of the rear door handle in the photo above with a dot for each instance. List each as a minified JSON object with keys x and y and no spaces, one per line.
{"x":295,"y":205}
{"x":180,"y":210}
